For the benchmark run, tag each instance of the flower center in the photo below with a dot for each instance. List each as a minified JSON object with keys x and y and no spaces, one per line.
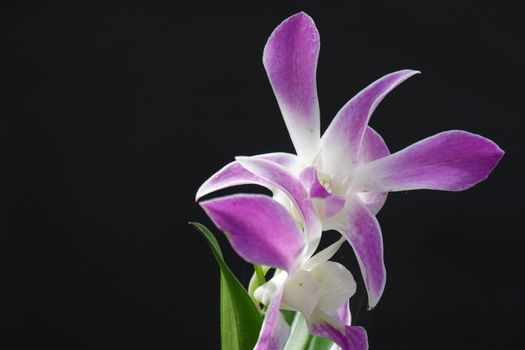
{"x":324,"y":180}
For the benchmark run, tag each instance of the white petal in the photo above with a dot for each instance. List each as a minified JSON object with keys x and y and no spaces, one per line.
{"x":265,"y":293}
{"x":324,"y":255}
{"x":337,"y":285}
{"x":301,"y":292}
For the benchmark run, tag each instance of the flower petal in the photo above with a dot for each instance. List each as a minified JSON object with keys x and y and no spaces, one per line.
{"x":324,"y":255}
{"x":284,"y":180}
{"x":343,"y":314}
{"x":258,"y":228}
{"x":336,"y":284}
{"x":453,"y":161}
{"x":234,"y":174}
{"x":301,"y":292}
{"x":341,"y":143}
{"x":274,"y":331}
{"x":361,"y":229}
{"x":265,"y":292}
{"x":290,"y":59}
{"x":347,"y":337}
{"x":373,"y":148}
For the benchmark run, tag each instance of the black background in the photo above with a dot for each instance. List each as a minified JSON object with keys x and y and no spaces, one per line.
{"x":114,"y":113}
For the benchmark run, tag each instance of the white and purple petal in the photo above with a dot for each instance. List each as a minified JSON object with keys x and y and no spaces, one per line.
{"x":360,"y":227}
{"x":274,"y":331}
{"x":343,"y":314}
{"x":233,"y":174}
{"x":294,"y":189}
{"x":341,"y":143}
{"x":347,"y":337}
{"x":372,"y":148}
{"x":452,"y":161}
{"x":259,"y":229}
{"x":290,"y":59}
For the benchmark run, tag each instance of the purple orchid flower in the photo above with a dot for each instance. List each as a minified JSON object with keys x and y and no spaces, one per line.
{"x":262,"y":231}
{"x":346,"y":173}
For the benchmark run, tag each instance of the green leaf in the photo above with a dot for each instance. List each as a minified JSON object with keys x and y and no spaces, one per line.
{"x":301,"y":339}
{"x":240,"y":319}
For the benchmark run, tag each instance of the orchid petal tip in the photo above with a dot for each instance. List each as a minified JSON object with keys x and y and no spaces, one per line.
{"x":301,"y":15}
{"x":197,"y":196}
{"x":411,"y":72}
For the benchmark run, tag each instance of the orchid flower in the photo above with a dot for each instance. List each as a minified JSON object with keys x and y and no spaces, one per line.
{"x":345,"y":174}
{"x":262,"y":231}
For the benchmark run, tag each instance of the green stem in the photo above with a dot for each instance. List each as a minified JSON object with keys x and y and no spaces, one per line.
{"x":260,"y":274}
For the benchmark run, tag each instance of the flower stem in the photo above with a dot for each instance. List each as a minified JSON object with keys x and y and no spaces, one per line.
{"x":260,"y":274}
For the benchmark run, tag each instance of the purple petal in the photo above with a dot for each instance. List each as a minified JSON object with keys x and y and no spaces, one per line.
{"x":361,"y":229}
{"x":234,"y":174}
{"x":452,"y":161}
{"x":274,"y":331}
{"x":258,"y":228}
{"x":290,"y":59}
{"x":347,"y":337}
{"x":332,"y":203}
{"x":343,"y":314}
{"x":310,"y":180}
{"x":284,"y":180}
{"x":342,"y":140}
{"x":373,"y":148}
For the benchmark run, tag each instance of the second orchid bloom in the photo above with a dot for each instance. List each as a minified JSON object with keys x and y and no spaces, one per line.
{"x":337,"y":181}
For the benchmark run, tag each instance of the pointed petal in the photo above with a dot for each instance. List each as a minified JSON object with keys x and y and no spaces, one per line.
{"x":347,"y":337}
{"x":284,"y":180}
{"x":373,"y":148}
{"x":336,"y":284}
{"x":290,"y":59}
{"x":258,"y":228}
{"x":361,"y":229}
{"x":324,"y":255}
{"x":453,"y":161}
{"x":341,"y":143}
{"x":234,"y":174}
{"x":274,"y":331}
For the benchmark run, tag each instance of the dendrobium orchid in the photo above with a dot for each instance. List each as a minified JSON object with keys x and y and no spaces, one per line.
{"x":340,"y":180}
{"x":263,"y":232}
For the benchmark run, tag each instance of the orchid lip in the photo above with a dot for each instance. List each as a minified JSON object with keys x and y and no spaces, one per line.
{"x":319,"y":289}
